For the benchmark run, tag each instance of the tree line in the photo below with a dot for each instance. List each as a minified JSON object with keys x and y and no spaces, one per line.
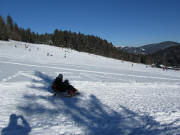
{"x":77,"y":41}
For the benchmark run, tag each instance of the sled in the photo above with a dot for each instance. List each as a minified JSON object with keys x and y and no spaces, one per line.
{"x":65,"y":94}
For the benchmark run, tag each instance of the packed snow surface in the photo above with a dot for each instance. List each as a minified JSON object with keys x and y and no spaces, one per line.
{"x":117,"y":97}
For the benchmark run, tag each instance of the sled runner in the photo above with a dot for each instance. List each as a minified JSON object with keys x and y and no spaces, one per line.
{"x":65,"y":94}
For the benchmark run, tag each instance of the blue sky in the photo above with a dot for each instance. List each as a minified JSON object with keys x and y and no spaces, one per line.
{"x":122,"y":22}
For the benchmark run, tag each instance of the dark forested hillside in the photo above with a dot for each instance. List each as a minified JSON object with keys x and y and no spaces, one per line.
{"x":153,"y":48}
{"x":169,"y":56}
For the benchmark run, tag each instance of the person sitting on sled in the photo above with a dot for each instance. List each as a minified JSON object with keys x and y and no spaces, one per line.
{"x":70,"y":89}
{"x":57,"y":84}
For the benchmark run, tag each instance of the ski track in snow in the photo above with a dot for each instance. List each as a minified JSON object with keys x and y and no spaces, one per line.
{"x":88,"y":71}
{"x":123,"y":101}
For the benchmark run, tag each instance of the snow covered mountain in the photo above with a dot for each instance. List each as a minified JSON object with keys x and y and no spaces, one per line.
{"x":117,"y":97}
{"x":150,"y":48}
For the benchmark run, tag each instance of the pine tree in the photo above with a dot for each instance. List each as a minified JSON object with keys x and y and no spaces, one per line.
{"x":9,"y":25}
{"x":16,"y":33}
{"x":3,"y":30}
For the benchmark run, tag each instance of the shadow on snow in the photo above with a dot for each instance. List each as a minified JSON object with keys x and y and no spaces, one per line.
{"x":16,"y":128}
{"x":45,"y":80}
{"x":91,"y":114}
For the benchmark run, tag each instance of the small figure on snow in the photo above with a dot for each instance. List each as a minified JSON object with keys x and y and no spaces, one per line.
{"x":60,"y":87}
{"x":57,"y":83}
{"x":70,"y":89}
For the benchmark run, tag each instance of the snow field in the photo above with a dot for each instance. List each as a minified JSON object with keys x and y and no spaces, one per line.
{"x":116,"y":98}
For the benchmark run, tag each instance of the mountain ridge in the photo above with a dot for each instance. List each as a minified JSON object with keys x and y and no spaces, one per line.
{"x":149,"y":48}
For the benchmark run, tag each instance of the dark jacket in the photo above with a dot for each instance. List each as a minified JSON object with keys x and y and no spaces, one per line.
{"x":60,"y":86}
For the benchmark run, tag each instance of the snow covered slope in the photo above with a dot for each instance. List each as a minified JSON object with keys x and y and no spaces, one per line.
{"x":116,"y":97}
